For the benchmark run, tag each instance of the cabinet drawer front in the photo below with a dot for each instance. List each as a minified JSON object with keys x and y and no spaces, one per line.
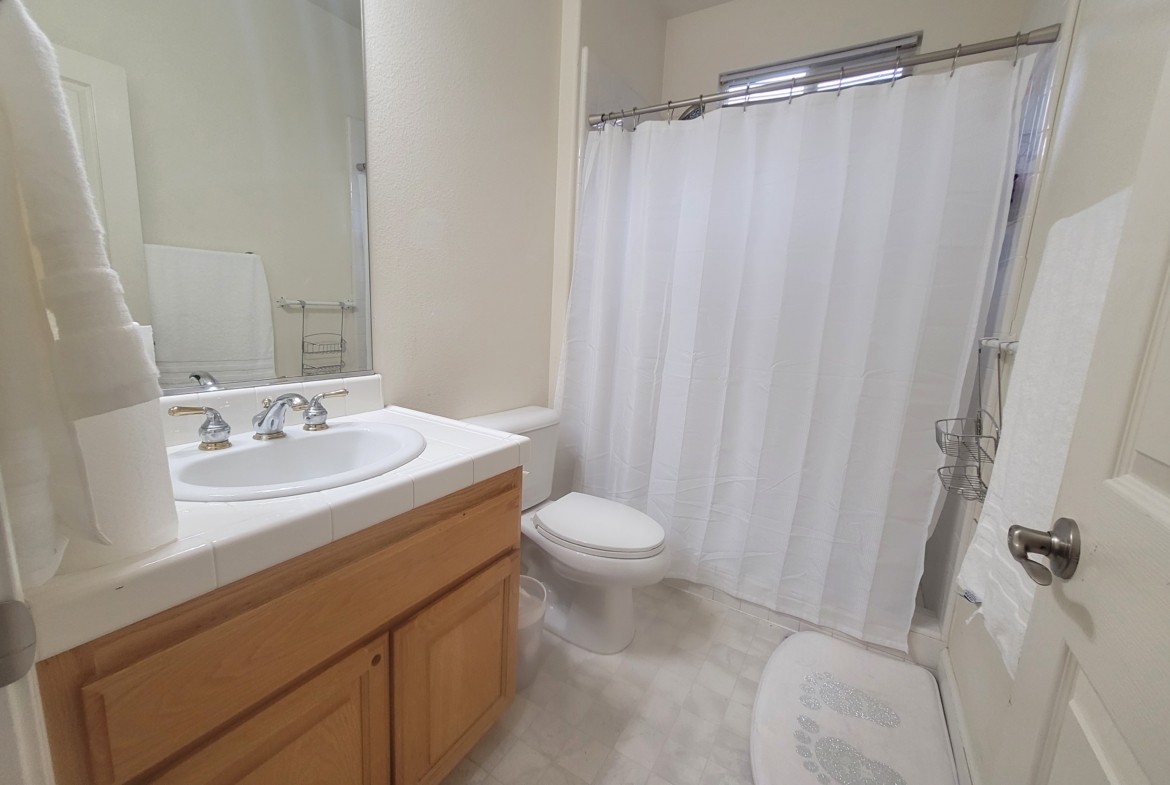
{"x":454,"y":673}
{"x":138,"y":717}
{"x":333,"y":728}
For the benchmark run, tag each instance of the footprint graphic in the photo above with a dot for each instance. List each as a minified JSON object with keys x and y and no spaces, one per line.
{"x":836,"y":760}
{"x":833,"y":759}
{"x":846,"y":700}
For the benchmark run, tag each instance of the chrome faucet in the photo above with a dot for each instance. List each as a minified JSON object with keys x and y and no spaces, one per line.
{"x":206,"y":381}
{"x":269,"y":424}
{"x":316,"y":414}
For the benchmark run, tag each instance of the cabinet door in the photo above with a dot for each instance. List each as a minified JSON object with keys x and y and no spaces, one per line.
{"x":332,"y":730}
{"x":454,"y":673}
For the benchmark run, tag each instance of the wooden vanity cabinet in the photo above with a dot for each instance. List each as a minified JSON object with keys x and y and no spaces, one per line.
{"x":454,"y":674}
{"x":380,"y":658}
{"x":331,"y":729}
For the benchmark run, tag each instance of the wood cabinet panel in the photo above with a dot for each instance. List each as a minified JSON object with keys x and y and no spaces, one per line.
{"x":454,"y":673}
{"x":125,"y":705}
{"x":332,"y":730}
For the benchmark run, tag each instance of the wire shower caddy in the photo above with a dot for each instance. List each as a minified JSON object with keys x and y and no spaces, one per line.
{"x":322,"y":353}
{"x":971,"y":441}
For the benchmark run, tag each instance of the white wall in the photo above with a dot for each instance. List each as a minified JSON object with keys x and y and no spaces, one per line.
{"x":629,"y":39}
{"x":462,"y":135}
{"x":1118,"y":50}
{"x":746,"y":33}
{"x":238,"y":110}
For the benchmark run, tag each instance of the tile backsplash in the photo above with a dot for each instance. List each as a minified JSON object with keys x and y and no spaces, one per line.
{"x":239,"y":406}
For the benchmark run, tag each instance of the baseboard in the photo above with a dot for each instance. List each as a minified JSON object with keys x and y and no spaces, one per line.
{"x":956,"y":722}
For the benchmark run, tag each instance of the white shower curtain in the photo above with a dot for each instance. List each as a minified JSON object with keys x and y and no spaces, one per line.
{"x":770,"y":308}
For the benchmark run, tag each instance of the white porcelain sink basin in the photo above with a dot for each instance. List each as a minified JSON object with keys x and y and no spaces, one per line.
{"x":302,"y":462}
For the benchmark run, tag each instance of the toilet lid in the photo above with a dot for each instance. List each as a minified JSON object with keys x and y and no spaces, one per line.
{"x":600,"y":526}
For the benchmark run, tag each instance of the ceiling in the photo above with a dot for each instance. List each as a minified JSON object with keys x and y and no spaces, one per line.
{"x":348,"y":11}
{"x":673,"y":8}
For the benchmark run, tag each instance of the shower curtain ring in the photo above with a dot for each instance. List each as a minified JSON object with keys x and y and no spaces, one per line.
{"x":747,"y":94}
{"x":897,"y":70}
{"x":1016,"y":54}
{"x":840,"y":81}
{"x":702,"y":111}
{"x":958,"y":51}
{"x":792,"y":90}
{"x":669,"y":113}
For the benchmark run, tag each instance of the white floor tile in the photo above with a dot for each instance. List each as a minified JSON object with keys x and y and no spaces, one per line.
{"x":641,"y":742}
{"x":694,"y":732}
{"x":717,"y":679}
{"x":620,"y":770}
{"x":679,"y":765}
{"x":521,"y":765}
{"x":738,"y":719}
{"x":605,"y":723}
{"x":582,"y":756}
{"x":555,"y":775}
{"x":546,"y":734}
{"x":673,"y":709}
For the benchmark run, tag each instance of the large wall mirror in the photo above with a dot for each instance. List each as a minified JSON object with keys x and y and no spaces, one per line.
{"x":225,"y":145}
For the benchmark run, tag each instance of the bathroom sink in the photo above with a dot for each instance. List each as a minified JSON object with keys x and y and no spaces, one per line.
{"x":302,"y":462}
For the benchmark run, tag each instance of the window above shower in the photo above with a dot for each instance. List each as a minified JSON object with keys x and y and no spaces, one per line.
{"x":768,"y":82}
{"x":224,"y":142}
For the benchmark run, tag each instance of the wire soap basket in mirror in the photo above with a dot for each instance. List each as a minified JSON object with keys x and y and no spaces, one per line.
{"x":321,"y":352}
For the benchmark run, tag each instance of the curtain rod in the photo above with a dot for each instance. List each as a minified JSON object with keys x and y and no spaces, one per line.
{"x":1041,"y":35}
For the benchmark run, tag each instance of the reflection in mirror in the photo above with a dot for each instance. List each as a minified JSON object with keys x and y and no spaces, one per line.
{"x":225,"y":144}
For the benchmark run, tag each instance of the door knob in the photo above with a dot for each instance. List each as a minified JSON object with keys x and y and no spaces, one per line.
{"x":1062,"y":546}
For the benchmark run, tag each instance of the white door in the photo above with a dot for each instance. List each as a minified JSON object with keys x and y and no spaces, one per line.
{"x":99,"y":106}
{"x":24,"y":745}
{"x":1091,"y":701}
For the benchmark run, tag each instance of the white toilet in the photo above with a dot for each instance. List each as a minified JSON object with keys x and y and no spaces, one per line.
{"x":590,"y":553}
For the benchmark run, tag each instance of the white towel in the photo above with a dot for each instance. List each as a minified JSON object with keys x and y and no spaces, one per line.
{"x":94,"y":364}
{"x":1047,"y":380}
{"x":99,"y":359}
{"x":211,"y":313}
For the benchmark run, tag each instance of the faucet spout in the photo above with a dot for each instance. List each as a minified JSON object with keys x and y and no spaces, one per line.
{"x":269,"y":424}
{"x":205,"y":380}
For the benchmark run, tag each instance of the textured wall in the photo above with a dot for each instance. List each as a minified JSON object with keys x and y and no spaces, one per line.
{"x":462,"y":133}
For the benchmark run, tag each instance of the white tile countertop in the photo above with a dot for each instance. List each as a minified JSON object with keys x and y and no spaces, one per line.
{"x":221,"y":542}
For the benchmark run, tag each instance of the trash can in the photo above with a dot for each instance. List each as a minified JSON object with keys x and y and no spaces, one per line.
{"x":533,"y":598}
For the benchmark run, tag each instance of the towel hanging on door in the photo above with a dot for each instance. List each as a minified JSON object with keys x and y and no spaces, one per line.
{"x":1048,"y":377}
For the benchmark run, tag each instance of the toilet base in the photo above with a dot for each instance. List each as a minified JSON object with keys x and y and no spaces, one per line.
{"x":599,"y":619}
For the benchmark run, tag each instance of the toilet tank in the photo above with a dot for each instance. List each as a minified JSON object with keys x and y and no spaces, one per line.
{"x":540,"y":426}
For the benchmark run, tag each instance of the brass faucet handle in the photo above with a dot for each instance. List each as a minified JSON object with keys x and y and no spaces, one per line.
{"x":335,"y":394}
{"x":180,"y":411}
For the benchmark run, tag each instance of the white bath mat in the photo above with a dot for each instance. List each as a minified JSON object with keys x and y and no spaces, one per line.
{"x":830,"y":712}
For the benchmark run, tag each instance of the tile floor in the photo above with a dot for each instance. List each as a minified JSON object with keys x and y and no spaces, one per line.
{"x":672,"y":709}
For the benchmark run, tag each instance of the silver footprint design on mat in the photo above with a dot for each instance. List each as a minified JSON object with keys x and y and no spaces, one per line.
{"x":835,"y":760}
{"x":821,"y":688}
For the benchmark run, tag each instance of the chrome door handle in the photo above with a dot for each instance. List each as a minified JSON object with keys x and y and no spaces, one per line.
{"x":1062,"y":546}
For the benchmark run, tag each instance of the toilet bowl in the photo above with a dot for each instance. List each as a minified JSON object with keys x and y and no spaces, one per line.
{"x":590,"y":553}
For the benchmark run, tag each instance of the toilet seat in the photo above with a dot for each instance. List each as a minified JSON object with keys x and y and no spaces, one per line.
{"x":600,"y":527}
